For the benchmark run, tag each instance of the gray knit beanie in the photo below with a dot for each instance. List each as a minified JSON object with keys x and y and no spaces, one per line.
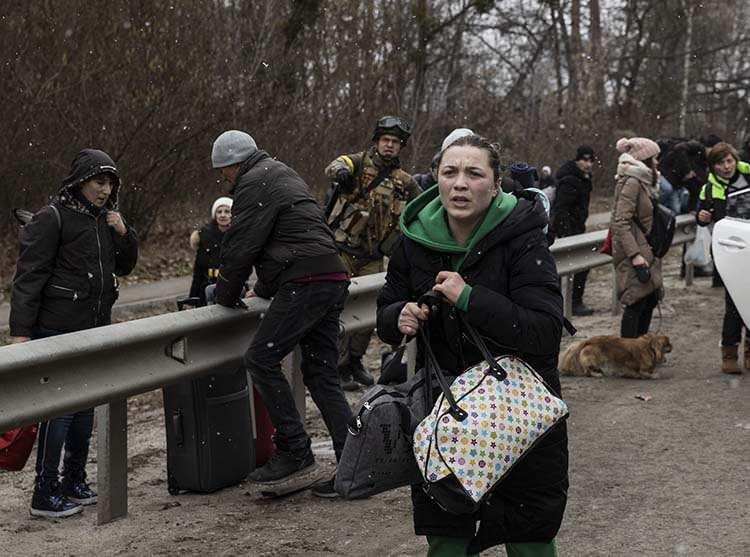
{"x":232,"y":147}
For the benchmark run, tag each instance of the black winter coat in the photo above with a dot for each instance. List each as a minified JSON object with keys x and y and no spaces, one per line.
{"x":207,"y":260}
{"x":516,"y":304}
{"x":571,"y":207}
{"x":66,"y":272}
{"x":278,"y":227}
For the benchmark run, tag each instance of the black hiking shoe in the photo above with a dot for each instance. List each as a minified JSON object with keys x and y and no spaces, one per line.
{"x":282,"y":466}
{"x":49,"y":502}
{"x":79,"y":492}
{"x":347,"y":382}
{"x":359,"y":373}
{"x":581,"y":310}
{"x":325,"y":489}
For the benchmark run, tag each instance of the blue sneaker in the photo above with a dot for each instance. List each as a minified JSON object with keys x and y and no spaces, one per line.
{"x":49,"y":502}
{"x":79,"y":492}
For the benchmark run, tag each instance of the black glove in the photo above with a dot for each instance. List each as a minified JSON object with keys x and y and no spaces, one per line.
{"x":343,"y":176}
{"x":643,"y":274}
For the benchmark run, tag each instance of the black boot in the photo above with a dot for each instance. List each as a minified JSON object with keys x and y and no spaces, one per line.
{"x":282,"y":466}
{"x":580,"y":309}
{"x":347,"y":382}
{"x":359,"y":373}
{"x":49,"y":502}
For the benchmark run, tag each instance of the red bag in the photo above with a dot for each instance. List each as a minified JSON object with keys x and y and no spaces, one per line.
{"x":264,"y":430}
{"x":15,"y":447}
{"x":606,"y":248}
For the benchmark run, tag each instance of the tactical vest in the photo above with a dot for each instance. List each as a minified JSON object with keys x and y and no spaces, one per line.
{"x":367,"y":218}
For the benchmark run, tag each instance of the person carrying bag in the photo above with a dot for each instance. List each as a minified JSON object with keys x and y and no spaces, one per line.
{"x":485,"y":253}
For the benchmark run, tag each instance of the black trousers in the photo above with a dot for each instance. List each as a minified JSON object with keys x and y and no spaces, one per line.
{"x":731,"y":330}
{"x":579,"y":285}
{"x":636,"y":318}
{"x":305,"y":314}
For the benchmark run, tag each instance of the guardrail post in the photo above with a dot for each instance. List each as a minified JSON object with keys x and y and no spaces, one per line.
{"x":112,"y":460}
{"x":615,"y":298}
{"x":291,"y":367}
{"x":566,"y":284}
{"x":689,"y":274}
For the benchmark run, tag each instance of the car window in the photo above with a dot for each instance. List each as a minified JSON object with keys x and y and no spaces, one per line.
{"x":738,"y":204}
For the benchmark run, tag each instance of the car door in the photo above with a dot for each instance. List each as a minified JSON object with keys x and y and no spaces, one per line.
{"x":731,"y":251}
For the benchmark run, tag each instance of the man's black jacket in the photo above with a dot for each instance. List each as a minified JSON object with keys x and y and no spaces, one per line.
{"x":571,"y":206}
{"x":278,"y":227}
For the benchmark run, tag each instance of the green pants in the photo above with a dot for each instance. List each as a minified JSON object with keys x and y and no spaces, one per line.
{"x":443,"y":546}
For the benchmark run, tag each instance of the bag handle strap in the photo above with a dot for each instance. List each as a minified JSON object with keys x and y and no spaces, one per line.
{"x":495,"y":369}
{"x":432,"y":300}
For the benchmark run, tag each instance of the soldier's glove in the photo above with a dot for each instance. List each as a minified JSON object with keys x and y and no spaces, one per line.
{"x":343,"y":176}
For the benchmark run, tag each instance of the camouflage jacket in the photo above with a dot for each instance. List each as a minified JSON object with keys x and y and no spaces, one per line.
{"x":363,"y":218}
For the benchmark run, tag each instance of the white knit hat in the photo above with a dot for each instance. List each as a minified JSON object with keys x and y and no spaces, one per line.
{"x":218,"y":203}
{"x":454,"y":136}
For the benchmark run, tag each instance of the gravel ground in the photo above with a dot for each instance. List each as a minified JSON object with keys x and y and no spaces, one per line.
{"x":664,"y":477}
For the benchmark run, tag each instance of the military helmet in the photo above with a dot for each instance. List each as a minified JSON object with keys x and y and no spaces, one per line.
{"x":392,"y":125}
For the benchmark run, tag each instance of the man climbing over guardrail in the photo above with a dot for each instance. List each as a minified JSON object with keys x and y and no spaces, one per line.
{"x":278,"y":227}
{"x":65,"y":281}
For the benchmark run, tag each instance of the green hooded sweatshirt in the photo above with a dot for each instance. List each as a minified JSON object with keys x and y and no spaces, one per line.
{"x":425,"y":221}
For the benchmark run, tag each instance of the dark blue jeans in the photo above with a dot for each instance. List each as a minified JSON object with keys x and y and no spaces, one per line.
{"x":72,"y":430}
{"x":305,"y":314}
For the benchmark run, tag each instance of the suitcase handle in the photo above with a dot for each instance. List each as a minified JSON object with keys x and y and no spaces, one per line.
{"x":177,"y":428}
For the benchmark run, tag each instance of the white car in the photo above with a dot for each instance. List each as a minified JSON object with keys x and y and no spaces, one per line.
{"x":731,"y":251}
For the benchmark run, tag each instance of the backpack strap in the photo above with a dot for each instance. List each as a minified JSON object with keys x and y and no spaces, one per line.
{"x":57,"y":216}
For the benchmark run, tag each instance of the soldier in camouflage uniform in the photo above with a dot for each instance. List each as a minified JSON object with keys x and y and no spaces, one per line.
{"x":372,"y":191}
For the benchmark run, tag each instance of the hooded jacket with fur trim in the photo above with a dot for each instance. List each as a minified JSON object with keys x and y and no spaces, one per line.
{"x":66,"y":274}
{"x":635,"y":194}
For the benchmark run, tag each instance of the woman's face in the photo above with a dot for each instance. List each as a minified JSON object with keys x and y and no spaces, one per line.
{"x":223,"y":215}
{"x":98,"y":189}
{"x":725,"y":168}
{"x":466,"y":183}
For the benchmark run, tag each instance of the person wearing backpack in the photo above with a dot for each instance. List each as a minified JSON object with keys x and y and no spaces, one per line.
{"x":72,"y":252}
{"x":485,"y":252}
{"x":637,"y":269}
{"x":728,"y":175}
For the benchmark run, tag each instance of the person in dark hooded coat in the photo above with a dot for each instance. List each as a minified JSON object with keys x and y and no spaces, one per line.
{"x":485,"y":252}
{"x":72,"y":252}
{"x":571,"y":209}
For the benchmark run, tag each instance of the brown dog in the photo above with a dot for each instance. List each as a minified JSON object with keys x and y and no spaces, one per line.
{"x":609,"y":355}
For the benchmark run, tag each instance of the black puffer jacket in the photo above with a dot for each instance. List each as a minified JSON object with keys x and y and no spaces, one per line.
{"x":278,"y":227}
{"x":571,"y":207}
{"x":207,"y":260}
{"x":515,"y":303}
{"x":66,"y":273}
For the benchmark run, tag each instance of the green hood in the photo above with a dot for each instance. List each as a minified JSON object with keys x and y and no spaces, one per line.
{"x":424,"y":221}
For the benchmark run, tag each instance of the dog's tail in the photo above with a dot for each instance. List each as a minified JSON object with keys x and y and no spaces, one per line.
{"x":570,"y":363}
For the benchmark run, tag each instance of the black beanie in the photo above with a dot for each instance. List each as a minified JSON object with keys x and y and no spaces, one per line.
{"x":584,"y":151}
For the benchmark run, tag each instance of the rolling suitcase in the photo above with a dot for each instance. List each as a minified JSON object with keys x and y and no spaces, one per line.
{"x":209,"y":432}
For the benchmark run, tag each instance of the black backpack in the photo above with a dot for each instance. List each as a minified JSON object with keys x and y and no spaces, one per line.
{"x":662,"y":230}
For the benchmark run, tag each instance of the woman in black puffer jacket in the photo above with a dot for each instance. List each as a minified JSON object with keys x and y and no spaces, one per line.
{"x":72,"y":252}
{"x":486,"y":253}
{"x":207,"y":246}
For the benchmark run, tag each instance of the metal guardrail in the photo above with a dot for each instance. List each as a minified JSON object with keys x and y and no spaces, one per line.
{"x":101,"y":367}
{"x":578,"y":253}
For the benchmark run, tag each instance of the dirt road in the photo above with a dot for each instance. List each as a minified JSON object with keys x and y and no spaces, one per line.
{"x":664,"y":477}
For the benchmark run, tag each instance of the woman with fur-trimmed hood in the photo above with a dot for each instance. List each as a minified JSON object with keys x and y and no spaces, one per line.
{"x":638,"y":271}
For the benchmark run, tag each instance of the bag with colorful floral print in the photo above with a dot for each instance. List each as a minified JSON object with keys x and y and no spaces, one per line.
{"x":496,"y":413}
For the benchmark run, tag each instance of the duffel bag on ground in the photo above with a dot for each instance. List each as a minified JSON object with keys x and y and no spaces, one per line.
{"x":507,"y":408}
{"x":15,"y":447}
{"x":378,"y":454}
